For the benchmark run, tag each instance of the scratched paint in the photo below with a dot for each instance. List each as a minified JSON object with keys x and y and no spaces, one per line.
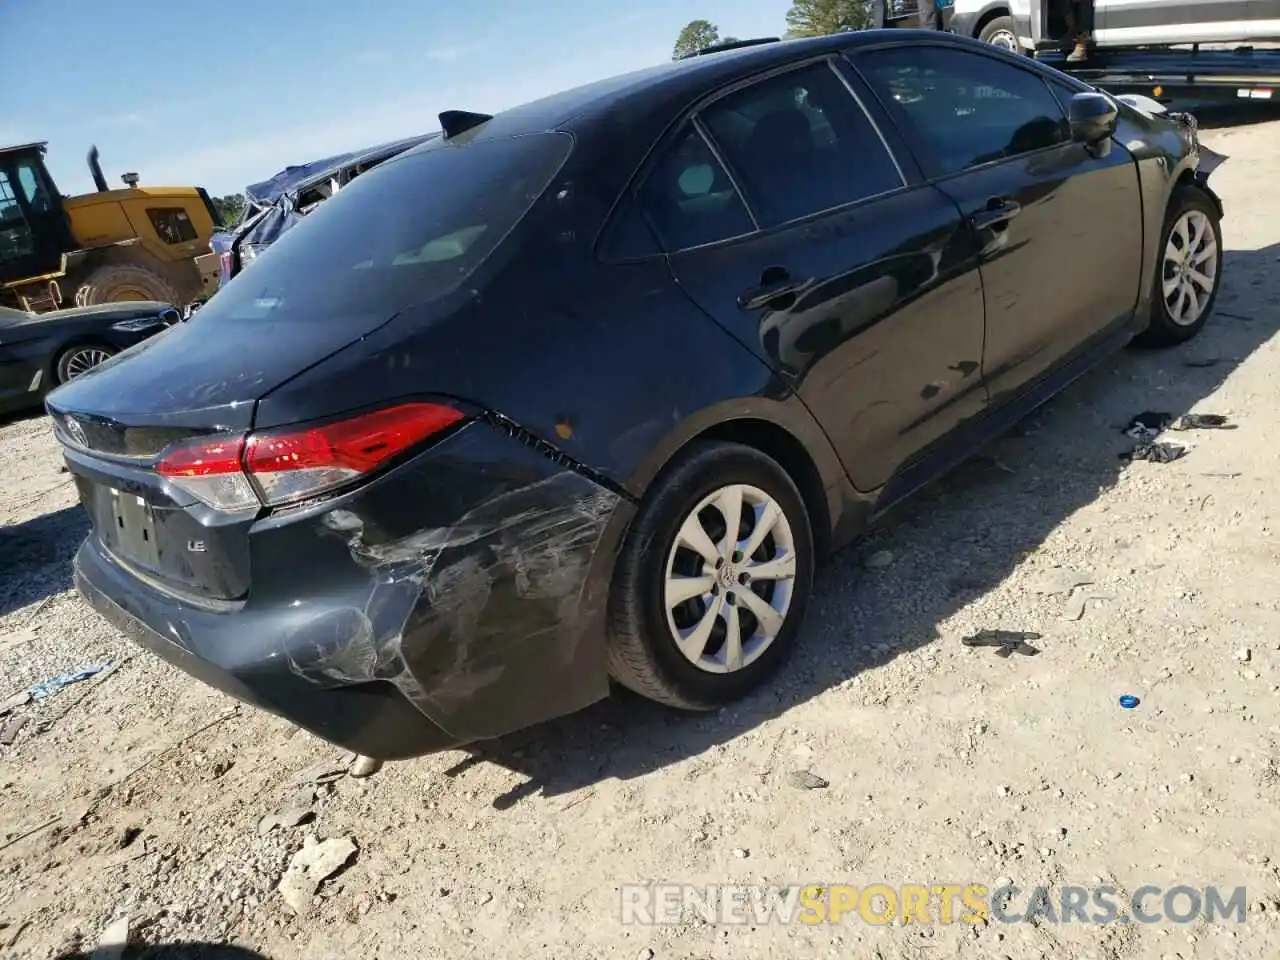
{"x":437,"y":597}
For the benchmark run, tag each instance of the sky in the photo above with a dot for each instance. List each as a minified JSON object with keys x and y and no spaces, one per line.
{"x":223,"y":94}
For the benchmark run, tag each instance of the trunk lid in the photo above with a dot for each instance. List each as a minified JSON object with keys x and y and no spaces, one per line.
{"x":199,"y":378}
{"x":202,"y":376}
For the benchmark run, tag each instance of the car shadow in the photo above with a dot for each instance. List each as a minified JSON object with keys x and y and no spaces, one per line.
{"x":36,"y":554}
{"x":953,"y":542}
{"x":175,"y":951}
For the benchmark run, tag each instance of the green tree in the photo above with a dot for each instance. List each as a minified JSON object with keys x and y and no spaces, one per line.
{"x":817,"y":18}
{"x":695,"y":35}
{"x":230,"y":208}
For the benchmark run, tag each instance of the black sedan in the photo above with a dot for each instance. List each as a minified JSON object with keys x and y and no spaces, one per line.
{"x":38,"y":351}
{"x":584,"y":390}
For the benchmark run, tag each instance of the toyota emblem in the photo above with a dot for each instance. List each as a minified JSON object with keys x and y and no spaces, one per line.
{"x":76,"y":432}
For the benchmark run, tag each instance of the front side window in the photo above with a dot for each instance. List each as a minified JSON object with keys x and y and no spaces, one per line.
{"x":800,"y":144}
{"x":965,"y":109}
{"x":16,"y":240}
{"x":32,"y":187}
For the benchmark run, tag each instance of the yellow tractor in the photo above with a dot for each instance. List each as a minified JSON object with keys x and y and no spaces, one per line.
{"x":136,"y":243}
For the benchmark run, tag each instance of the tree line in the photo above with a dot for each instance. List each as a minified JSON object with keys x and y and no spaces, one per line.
{"x":806,"y":18}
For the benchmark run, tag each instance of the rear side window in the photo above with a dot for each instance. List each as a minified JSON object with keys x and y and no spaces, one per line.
{"x":800,"y":144}
{"x":689,"y":200}
{"x":411,"y":230}
{"x":964,"y":108}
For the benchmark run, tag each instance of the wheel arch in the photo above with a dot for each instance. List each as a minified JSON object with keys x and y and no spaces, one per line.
{"x":989,"y":13}
{"x":785,"y":431}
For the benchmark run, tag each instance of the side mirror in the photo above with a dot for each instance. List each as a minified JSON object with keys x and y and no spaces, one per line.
{"x":1093,"y":118}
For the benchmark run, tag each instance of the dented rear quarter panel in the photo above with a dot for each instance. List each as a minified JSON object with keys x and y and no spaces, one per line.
{"x":463,"y":578}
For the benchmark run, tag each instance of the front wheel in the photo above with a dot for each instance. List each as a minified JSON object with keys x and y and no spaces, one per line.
{"x":1189,"y":271}
{"x":713,"y":579}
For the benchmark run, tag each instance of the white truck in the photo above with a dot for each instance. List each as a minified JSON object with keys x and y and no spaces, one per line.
{"x":1031,"y":24}
{"x":1152,"y":47}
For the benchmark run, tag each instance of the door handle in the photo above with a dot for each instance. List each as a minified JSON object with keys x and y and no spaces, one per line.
{"x":775,"y":282}
{"x":997,"y":214}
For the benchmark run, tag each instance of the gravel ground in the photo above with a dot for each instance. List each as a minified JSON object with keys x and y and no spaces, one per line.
{"x":139,"y":795}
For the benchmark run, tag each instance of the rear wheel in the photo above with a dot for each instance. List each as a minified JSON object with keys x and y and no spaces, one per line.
{"x":713,"y":580}
{"x":999,"y":32}
{"x":81,"y":359}
{"x":1189,"y":271}
{"x":120,"y":282}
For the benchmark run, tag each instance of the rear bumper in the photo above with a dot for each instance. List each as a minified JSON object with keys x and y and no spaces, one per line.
{"x":371,"y":719}
{"x":459,"y":597}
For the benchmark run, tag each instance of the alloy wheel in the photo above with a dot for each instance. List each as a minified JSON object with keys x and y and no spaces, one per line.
{"x":1190,"y":268}
{"x":84,"y":360}
{"x":730,"y":578}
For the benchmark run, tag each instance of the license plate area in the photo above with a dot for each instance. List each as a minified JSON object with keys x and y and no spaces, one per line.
{"x":128,"y":528}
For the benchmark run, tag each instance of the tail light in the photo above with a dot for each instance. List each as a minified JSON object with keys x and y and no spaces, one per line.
{"x":280,"y":466}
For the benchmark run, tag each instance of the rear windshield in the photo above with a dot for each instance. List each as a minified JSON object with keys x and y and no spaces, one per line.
{"x":409,"y":231}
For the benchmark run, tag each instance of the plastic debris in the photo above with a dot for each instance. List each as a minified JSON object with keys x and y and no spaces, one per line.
{"x":51,"y":686}
{"x":1202,"y":421}
{"x":1129,"y":701}
{"x":1148,"y":425}
{"x":1156,"y":452}
{"x":1006,"y":642}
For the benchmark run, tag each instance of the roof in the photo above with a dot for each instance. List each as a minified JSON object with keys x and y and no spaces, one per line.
{"x":24,"y":147}
{"x":692,"y":75}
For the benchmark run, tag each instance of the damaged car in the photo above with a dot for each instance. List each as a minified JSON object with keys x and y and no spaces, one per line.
{"x":583,"y":391}
{"x":276,"y":205}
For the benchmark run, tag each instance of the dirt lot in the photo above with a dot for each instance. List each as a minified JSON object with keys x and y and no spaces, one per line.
{"x":143,"y":792}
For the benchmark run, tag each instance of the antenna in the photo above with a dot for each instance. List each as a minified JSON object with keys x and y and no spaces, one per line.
{"x":456,"y":122}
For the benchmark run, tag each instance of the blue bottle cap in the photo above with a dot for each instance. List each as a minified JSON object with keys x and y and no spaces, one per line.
{"x":1129,"y":701}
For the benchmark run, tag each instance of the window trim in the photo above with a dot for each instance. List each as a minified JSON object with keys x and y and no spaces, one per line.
{"x":691,"y":117}
{"x":694,"y":125}
{"x":924,"y":154}
{"x":705,"y":132}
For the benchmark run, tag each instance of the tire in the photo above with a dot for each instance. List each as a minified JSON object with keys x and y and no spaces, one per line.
{"x":1193,"y":214}
{"x":1000,"y":33}
{"x":75,"y":360}
{"x":643,"y":652}
{"x":119,"y":282}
